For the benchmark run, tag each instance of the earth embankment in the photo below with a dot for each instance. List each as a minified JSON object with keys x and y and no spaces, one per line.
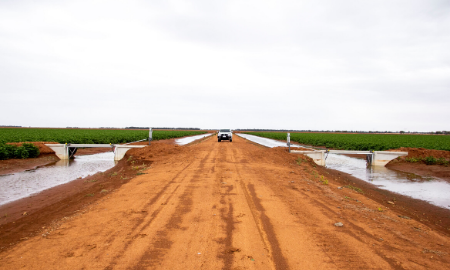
{"x":419,"y":167}
{"x":226,"y":206}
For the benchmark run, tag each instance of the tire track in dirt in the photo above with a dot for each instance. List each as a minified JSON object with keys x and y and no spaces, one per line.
{"x":240,"y":201}
{"x":134,"y":230}
{"x":352,"y":256}
{"x":233,"y":206}
{"x":205,"y":227}
{"x":268,"y":232}
{"x":272,"y":181}
{"x":345,"y":254}
{"x":163,"y":243}
{"x":228,"y":218}
{"x":351,"y":231}
{"x":226,"y":213}
{"x":144,"y":222}
{"x":262,"y":222}
{"x":323,"y":237}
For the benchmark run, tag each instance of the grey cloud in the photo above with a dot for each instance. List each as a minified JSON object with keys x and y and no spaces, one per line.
{"x":289,"y":64}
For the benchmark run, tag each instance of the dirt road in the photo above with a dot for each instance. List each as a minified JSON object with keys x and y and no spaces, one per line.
{"x":230,"y":206}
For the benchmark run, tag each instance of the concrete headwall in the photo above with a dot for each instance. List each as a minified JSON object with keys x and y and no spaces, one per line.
{"x":62,"y":150}
{"x":380,"y":158}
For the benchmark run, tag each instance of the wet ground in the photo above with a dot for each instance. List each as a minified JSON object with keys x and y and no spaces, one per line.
{"x":429,"y":189}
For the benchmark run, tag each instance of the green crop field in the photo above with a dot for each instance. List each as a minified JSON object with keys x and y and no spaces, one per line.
{"x":377,"y":142}
{"x":86,"y":135}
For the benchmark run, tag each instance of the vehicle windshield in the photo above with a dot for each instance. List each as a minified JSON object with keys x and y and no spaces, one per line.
{"x":225,"y":130}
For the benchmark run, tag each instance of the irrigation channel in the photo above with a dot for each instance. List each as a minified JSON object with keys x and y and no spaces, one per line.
{"x":428,"y":189}
{"x":186,"y":140}
{"x":23,"y":184}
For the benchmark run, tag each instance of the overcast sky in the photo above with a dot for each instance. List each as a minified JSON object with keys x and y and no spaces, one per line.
{"x":328,"y":65}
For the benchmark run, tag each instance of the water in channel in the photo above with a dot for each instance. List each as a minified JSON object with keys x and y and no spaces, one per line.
{"x":23,"y":184}
{"x":429,"y":189}
{"x":186,"y":140}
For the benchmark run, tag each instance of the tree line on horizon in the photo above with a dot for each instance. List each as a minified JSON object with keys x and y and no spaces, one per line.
{"x":443,"y":132}
{"x":439,"y":132}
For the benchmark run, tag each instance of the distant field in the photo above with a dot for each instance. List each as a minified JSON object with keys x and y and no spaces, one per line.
{"x":377,"y":142}
{"x":86,"y":135}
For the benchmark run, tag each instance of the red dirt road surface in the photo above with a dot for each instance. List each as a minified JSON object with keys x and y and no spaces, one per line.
{"x":213,"y":205}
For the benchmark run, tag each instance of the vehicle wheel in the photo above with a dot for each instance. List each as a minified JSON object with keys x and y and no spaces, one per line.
{"x":218,"y":140}
{"x":231,"y":140}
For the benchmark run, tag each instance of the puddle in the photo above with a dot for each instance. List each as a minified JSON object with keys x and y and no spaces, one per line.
{"x":21,"y":185}
{"x":190,"y":139}
{"x":429,"y":189}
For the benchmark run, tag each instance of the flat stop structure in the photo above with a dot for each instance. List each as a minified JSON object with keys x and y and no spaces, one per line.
{"x":374,"y":158}
{"x":66,"y":151}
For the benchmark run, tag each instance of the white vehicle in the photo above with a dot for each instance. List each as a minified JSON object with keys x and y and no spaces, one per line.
{"x":225,"y":134}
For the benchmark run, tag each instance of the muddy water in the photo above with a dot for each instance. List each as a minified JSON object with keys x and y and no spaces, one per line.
{"x":429,"y":189}
{"x":23,"y":184}
{"x":190,"y":139}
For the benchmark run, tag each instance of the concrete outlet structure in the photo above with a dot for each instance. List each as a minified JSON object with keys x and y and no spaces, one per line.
{"x":317,"y":156}
{"x":62,"y":150}
{"x":378,"y":158}
{"x":381,"y":158}
{"x":120,"y":150}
